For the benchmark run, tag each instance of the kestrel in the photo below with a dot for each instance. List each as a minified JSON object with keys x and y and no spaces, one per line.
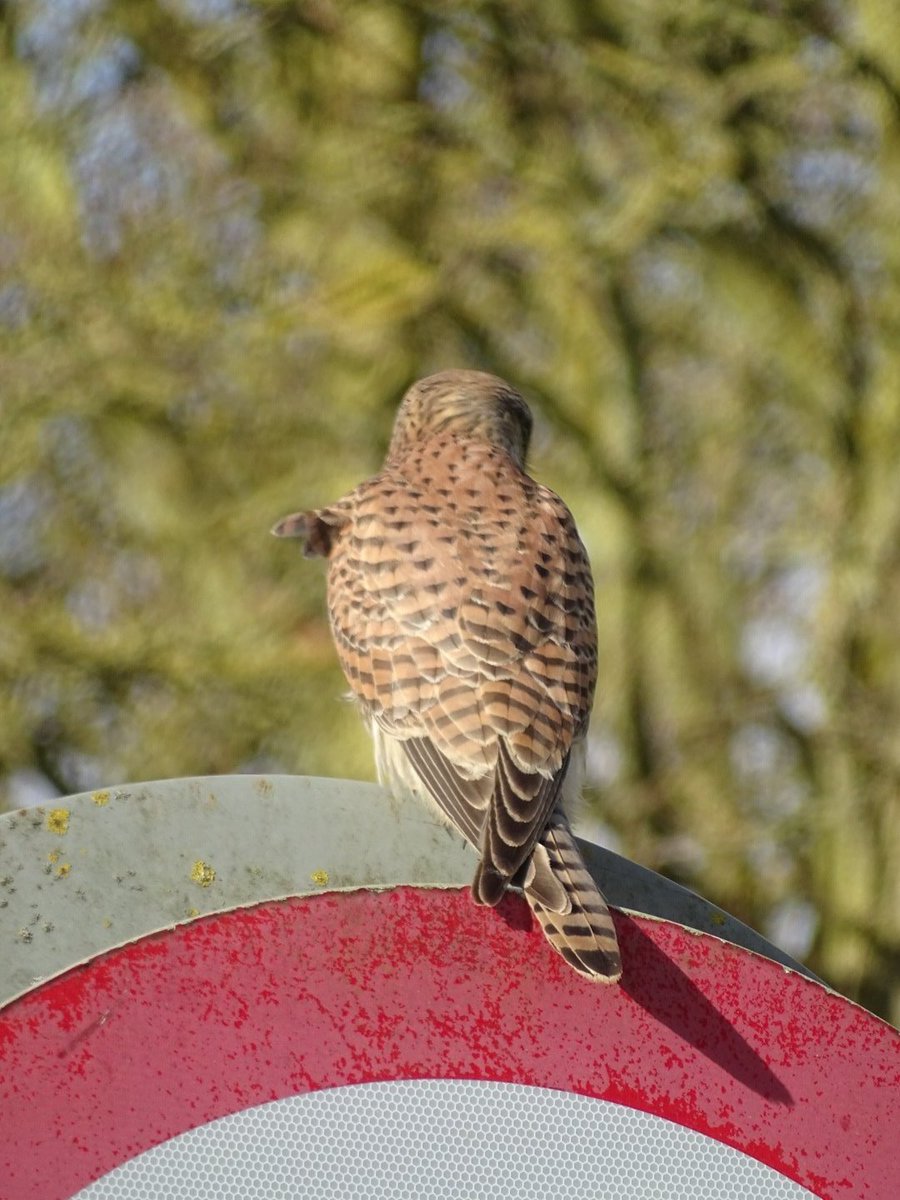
{"x":462,"y":608}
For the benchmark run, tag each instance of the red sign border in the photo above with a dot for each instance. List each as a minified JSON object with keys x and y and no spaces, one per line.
{"x":288,"y":997}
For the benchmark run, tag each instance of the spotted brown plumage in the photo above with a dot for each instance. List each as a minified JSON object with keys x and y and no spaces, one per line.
{"x":462,"y":608}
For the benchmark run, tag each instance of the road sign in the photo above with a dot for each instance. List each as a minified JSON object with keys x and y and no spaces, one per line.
{"x":280,"y":987}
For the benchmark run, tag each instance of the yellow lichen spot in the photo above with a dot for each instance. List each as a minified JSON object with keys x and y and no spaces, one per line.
{"x":718,"y":918}
{"x":319,"y":878}
{"x":62,"y":870}
{"x":202,"y":873}
{"x":58,"y":820}
{"x":53,"y":856}
{"x":107,"y":923}
{"x":100,"y":798}
{"x":193,"y":912}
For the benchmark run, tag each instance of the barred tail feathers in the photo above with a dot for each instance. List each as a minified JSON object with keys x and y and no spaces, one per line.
{"x":579,"y":925}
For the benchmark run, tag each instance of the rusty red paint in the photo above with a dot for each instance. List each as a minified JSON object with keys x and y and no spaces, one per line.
{"x":181,"y":1028}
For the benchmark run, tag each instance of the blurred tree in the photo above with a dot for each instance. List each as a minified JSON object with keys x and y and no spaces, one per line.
{"x":231,"y":233}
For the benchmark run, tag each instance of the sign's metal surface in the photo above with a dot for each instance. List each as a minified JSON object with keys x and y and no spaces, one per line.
{"x":97,"y":870}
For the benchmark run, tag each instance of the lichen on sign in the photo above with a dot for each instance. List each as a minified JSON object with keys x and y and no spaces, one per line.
{"x":202,"y":873}
{"x":58,"y":820}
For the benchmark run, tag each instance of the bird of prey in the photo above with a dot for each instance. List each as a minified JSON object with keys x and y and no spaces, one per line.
{"x":462,"y":609}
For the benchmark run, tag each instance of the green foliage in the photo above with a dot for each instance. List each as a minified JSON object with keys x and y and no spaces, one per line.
{"x":232,"y":233}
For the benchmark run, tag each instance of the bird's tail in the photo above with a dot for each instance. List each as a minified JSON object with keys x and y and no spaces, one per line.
{"x":569,"y":905}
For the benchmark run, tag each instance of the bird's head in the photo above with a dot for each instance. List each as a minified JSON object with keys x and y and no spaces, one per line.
{"x":470,"y":403}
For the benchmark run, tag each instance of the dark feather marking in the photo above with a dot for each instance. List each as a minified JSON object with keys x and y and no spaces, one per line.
{"x":509,"y":837}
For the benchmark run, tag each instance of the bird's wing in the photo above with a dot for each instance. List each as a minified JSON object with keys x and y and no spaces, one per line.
{"x":464,"y":621}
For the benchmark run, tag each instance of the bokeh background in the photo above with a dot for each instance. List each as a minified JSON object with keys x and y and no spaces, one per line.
{"x":231,"y":234}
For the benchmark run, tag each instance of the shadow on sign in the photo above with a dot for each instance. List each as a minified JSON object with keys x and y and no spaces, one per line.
{"x":663,"y":990}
